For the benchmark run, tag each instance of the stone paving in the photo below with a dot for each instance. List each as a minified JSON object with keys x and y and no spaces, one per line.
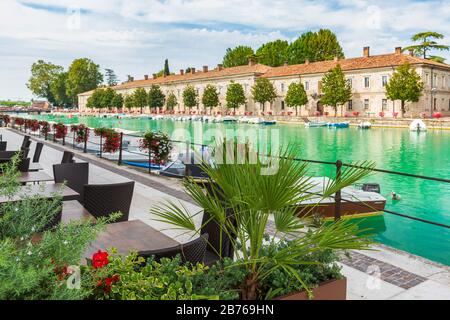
{"x":383,"y":273}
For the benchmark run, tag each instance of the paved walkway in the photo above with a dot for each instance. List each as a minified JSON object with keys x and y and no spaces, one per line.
{"x":384,"y":273}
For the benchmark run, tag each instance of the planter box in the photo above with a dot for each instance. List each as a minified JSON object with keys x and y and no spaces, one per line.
{"x":329,"y":290}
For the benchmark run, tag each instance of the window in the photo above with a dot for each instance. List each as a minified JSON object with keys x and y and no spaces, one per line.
{"x":434,"y":81}
{"x":350,"y":82}
{"x":427,"y":78}
{"x":384,"y":106}
{"x":282,"y":87}
{"x":366,"y":104}
{"x":434,"y":104}
{"x":366,"y":82}
{"x":350,"y":105}
{"x":384,"y":80}
{"x":282,"y":105}
{"x":306,"y":85}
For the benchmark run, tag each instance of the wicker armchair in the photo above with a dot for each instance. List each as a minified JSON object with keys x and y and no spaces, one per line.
{"x":25,"y":141}
{"x":3,"y":145}
{"x":192,"y":252}
{"x":76,"y":176}
{"x":68,"y":157}
{"x":103,"y":199}
{"x":37,"y":152}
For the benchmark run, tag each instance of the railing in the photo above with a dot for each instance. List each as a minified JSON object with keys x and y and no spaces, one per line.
{"x":189,"y":145}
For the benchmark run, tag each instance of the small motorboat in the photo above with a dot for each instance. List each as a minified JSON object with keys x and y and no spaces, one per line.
{"x":418,"y":126}
{"x":338,"y":124}
{"x":315,"y":124}
{"x":269,"y":122}
{"x":255,"y":120}
{"x":364,"y":125}
{"x":229,"y":119}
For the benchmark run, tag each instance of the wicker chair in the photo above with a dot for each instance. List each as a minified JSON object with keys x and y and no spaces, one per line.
{"x":67,"y":157}
{"x":24,"y":165}
{"x":25,"y":141}
{"x":219,"y":245}
{"x":76,"y":176}
{"x":37,"y":152}
{"x":103,"y":199}
{"x":192,"y":252}
{"x":3,"y":145}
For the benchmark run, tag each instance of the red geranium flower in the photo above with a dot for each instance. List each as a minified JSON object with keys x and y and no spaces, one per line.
{"x":100,"y":259}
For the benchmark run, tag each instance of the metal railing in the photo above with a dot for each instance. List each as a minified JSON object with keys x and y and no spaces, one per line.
{"x":189,"y":145}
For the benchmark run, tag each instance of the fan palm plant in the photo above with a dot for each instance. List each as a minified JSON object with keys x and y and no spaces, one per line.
{"x":242,"y":200}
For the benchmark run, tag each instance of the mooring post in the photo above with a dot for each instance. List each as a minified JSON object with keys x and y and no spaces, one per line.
{"x":120,"y":149}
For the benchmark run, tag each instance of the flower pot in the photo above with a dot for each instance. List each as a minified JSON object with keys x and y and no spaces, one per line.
{"x":328,"y":290}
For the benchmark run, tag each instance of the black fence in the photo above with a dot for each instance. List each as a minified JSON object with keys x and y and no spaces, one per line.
{"x":128,"y":144}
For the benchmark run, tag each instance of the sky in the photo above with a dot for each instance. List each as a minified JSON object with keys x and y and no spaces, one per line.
{"x":134,"y":37}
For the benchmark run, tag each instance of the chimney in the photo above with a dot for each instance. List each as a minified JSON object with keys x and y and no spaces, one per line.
{"x":182,"y":72}
{"x":192,"y":70}
{"x":155,"y":76}
{"x":131,"y":79}
{"x":411,"y":52}
{"x":307,"y":61}
{"x":398,"y":50}
{"x":366,"y":52}
{"x":205,"y":68}
{"x":251,"y":61}
{"x":146,"y":76}
{"x":220,"y":66}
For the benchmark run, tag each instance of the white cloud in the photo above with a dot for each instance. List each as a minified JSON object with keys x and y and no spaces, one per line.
{"x":135,"y":36}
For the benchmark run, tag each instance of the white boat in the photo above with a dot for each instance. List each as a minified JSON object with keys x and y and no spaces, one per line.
{"x":158,"y":117}
{"x":315,"y":124}
{"x":255,"y":120}
{"x":207,"y":118}
{"x":364,"y":125}
{"x":218,"y":119}
{"x":229,"y":119}
{"x":418,"y":126}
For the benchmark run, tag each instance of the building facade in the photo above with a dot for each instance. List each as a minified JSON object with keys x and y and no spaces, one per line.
{"x":368,"y":76}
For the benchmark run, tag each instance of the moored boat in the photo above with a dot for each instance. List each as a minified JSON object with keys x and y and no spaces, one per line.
{"x":338,"y":124}
{"x":364,"y":125}
{"x":315,"y":124}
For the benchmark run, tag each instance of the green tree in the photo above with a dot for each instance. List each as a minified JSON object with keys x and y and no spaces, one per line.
{"x":427,"y":43}
{"x":111,"y":78}
{"x":96,"y":99}
{"x":296,"y":96}
{"x":166,"y":67}
{"x":117,"y":101}
{"x":107,"y":98}
{"x":171,"y":102}
{"x":156,"y":97}
{"x":83,"y":75}
{"x":190,"y":96}
{"x":210,"y":98}
{"x":315,"y":46}
{"x":42,"y":75}
{"x":336,"y":89}
{"x":128,"y":102}
{"x":404,"y":85}
{"x":235,"y":95}
{"x":264,"y":91}
{"x":140,"y":98}
{"x":58,"y":89}
{"x":273,"y":53}
{"x":238,"y":56}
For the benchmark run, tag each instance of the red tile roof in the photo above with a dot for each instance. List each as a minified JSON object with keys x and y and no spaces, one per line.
{"x":378,"y":61}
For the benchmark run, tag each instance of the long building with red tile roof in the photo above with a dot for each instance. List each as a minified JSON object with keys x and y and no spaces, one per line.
{"x":367,"y":74}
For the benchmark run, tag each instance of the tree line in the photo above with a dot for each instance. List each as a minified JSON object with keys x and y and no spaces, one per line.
{"x":405,"y":85}
{"x":61,"y":87}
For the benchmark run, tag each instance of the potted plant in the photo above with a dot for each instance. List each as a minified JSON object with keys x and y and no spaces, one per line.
{"x":250,"y":193}
{"x":45,"y":128}
{"x":60,"y":130}
{"x":111,"y":142}
{"x":158,"y":145}
{"x":81,"y":133}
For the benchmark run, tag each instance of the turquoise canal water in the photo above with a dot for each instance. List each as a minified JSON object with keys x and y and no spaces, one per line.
{"x":391,"y":149}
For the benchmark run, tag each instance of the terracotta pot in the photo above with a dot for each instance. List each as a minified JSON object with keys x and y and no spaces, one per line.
{"x":329,"y":290}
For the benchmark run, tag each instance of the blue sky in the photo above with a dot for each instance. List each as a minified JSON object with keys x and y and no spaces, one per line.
{"x":135,"y":36}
